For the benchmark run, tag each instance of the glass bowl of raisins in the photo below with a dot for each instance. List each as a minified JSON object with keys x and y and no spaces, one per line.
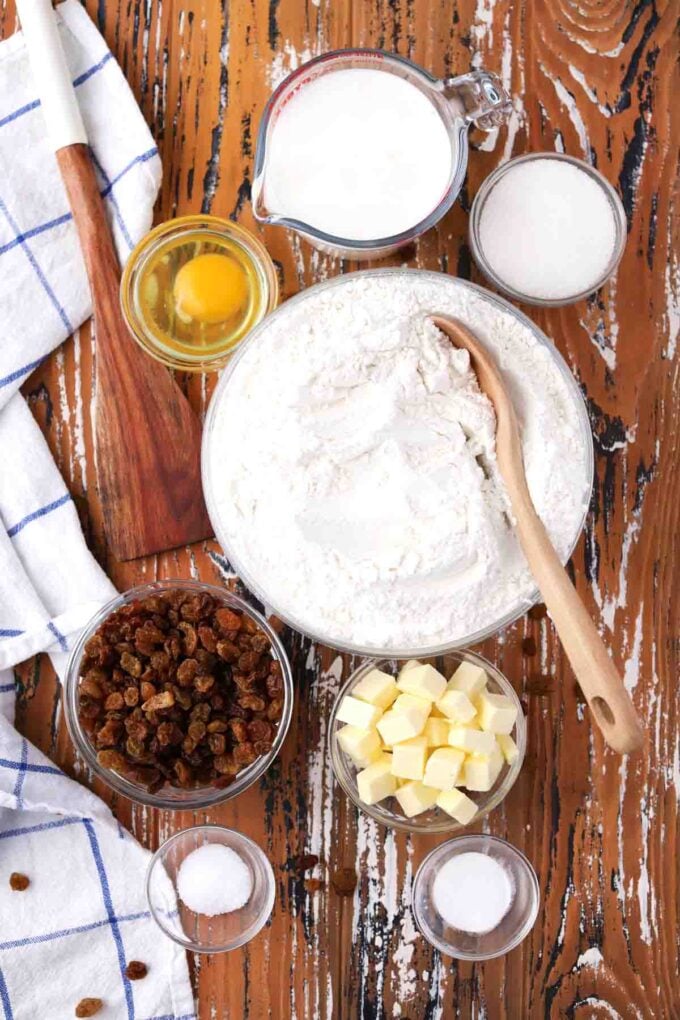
{"x":178,"y":694}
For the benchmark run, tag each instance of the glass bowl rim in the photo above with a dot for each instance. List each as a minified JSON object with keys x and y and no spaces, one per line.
{"x":333,"y":241}
{"x":258,"y":591}
{"x":526,"y":865}
{"x":158,"y":234}
{"x":189,"y":945}
{"x":347,"y":779}
{"x":487,"y":186}
{"x":190,"y":799}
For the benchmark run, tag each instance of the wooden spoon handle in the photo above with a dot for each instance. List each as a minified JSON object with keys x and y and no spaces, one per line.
{"x":602,"y":686}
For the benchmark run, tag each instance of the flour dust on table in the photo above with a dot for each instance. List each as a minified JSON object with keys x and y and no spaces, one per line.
{"x":351,"y":466}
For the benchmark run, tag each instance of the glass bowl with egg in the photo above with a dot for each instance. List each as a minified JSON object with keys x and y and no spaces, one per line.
{"x":433,"y":752}
{"x":156,"y":709}
{"x":194,"y":287}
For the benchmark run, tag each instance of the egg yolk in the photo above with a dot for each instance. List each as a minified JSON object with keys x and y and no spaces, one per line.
{"x":210,"y":288}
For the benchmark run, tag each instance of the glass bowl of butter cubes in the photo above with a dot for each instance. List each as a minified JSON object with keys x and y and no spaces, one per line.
{"x":429,"y":745}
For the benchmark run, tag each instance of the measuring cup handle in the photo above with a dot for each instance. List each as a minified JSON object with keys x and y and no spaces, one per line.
{"x":479,"y":98}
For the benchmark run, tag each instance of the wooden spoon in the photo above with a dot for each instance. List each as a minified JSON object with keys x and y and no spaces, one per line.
{"x":147,"y":437}
{"x":604,"y":691}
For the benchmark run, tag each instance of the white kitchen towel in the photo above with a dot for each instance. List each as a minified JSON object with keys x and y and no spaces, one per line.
{"x":44,"y":293}
{"x":84,"y":916}
{"x":49,"y":584}
{"x":71,"y":933}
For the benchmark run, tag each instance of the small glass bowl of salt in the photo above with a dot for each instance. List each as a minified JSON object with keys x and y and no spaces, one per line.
{"x":475,"y":897}
{"x":210,"y":888}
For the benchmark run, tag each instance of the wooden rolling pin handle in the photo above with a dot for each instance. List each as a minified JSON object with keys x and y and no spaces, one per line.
{"x":606,"y":695}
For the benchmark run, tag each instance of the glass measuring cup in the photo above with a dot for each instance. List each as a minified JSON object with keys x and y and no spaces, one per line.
{"x":477,"y":98}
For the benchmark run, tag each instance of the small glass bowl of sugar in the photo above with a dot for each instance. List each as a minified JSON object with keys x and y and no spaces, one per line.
{"x":475,"y":897}
{"x":547,"y":229}
{"x":210,"y":889}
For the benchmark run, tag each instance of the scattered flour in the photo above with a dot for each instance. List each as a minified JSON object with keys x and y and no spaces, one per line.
{"x":353,"y":465}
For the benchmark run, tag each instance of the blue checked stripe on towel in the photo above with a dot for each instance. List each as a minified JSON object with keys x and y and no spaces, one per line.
{"x":107,"y":190}
{"x":116,"y":923}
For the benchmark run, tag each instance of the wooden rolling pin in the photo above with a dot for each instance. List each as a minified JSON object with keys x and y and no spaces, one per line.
{"x":147,"y":437}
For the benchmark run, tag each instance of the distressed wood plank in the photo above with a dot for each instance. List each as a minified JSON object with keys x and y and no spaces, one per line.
{"x":598,"y":80}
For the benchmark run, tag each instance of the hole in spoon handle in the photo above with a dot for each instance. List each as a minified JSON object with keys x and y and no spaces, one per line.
{"x":602,"y":711}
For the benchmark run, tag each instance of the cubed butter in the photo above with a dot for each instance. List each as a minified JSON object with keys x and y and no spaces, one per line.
{"x":403,"y":723}
{"x":472,"y":741}
{"x":414,"y":798}
{"x":456,"y":804}
{"x":497,"y":714}
{"x":423,"y":682}
{"x":358,"y":713}
{"x":508,"y":747}
{"x":443,"y":767}
{"x":437,"y":731}
{"x":469,"y":679}
{"x":377,"y":688}
{"x":456,"y":706}
{"x":417,"y":709}
{"x":409,"y":757}
{"x":480,"y":772}
{"x":376,"y":781}
{"x":408,"y":665}
{"x":363,"y":746}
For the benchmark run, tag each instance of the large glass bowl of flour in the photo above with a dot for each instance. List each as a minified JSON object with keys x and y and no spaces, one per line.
{"x":349,"y":466}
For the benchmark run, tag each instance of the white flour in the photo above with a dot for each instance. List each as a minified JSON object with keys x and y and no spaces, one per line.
{"x":353,"y":465}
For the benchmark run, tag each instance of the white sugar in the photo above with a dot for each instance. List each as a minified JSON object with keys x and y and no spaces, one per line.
{"x":214,"y":879}
{"x":547,"y":229}
{"x":472,"y":892}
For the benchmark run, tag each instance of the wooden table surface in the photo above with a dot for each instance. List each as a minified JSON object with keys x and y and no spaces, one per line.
{"x":597,"y":79}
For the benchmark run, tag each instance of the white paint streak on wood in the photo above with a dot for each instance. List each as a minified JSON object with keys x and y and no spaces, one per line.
{"x":672,"y":282}
{"x":481,"y":31}
{"x":321,"y":801}
{"x":568,"y":101}
{"x":631,"y":668}
{"x":592,"y":958}
{"x":580,"y":77}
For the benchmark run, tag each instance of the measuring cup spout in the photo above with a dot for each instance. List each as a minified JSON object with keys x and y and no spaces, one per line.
{"x":478,"y":98}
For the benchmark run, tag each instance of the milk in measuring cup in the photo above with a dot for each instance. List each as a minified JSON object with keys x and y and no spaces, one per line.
{"x":359,"y":154}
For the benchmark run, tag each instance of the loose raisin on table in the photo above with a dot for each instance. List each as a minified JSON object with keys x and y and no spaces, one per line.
{"x":19,"y":882}
{"x":344,"y":881}
{"x":176,"y":688}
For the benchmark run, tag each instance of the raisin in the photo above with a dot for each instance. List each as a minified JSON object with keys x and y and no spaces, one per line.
{"x":131,"y":697}
{"x":131,"y":664}
{"x":217,"y":742}
{"x":19,"y":882}
{"x":186,"y":672}
{"x":114,"y":702}
{"x":244,"y":754}
{"x":111,"y":759}
{"x":344,"y":881}
{"x":207,"y":638}
{"x":204,"y":683}
{"x":228,"y":651}
{"x":166,"y":699}
{"x":136,"y":970}
{"x":190,"y":637}
{"x":88,"y":1007}
{"x":305,"y":862}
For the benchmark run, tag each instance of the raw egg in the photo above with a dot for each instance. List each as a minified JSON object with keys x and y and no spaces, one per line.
{"x":210,"y":288}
